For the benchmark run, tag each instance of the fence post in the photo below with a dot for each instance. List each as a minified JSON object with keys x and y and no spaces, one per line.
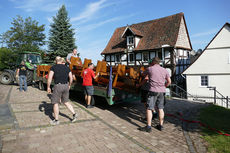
{"x":227,"y":101}
{"x":214,"y":88}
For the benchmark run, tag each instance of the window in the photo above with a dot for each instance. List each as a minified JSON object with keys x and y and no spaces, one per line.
{"x":131,"y":57}
{"x":112,"y":58}
{"x":117,"y":58}
{"x":152,"y":55}
{"x":107,"y":58}
{"x":146,"y":57}
{"x":159,"y":55}
{"x":130,"y":40}
{"x":204,"y":81}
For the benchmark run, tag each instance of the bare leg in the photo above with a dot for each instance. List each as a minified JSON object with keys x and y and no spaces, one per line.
{"x":88,"y":100}
{"x":161,"y":116}
{"x":149,"y":116}
{"x":56,"y":111}
{"x":70,"y":107}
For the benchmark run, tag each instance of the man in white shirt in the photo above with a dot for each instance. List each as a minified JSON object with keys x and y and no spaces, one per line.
{"x":74,"y":54}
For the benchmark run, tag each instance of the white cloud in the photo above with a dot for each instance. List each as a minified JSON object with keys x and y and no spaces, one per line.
{"x":96,"y":25}
{"x":89,"y":27}
{"x":37,"y":5}
{"x":50,"y":19}
{"x":90,"y":10}
{"x":206,"y":33}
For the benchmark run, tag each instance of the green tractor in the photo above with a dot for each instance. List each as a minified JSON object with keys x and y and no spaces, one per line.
{"x":32,"y":59}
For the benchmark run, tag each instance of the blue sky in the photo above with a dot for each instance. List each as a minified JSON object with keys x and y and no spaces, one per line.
{"x":94,"y":21}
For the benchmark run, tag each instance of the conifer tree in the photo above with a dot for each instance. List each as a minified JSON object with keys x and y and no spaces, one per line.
{"x":61,"y":35}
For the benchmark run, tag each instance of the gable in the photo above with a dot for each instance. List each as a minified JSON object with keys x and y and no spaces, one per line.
{"x":215,"y":58}
{"x":222,"y":39}
{"x":183,"y":38}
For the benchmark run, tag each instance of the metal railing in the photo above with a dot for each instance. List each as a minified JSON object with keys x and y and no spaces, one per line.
{"x":224,"y":101}
{"x":217,"y":98}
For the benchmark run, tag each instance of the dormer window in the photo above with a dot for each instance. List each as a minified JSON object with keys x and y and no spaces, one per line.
{"x":130,"y":40}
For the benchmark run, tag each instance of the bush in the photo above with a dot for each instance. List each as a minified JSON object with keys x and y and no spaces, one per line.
{"x":7,"y":58}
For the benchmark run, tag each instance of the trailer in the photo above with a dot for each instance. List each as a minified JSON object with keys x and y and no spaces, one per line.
{"x":112,"y":96}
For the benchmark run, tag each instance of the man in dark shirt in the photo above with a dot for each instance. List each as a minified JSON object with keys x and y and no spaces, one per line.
{"x":21,"y":72}
{"x":60,"y":73}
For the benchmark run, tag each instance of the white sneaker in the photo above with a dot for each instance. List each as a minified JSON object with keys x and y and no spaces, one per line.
{"x":54,"y":122}
{"x":74,"y":117}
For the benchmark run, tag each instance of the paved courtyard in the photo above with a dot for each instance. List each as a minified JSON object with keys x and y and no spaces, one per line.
{"x":24,"y":125}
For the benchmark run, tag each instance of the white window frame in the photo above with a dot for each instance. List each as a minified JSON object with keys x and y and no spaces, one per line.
{"x":205,"y":79}
{"x":128,"y":42}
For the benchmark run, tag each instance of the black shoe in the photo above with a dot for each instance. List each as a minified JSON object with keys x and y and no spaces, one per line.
{"x":89,"y":106}
{"x":159,"y":127}
{"x":146,"y":129}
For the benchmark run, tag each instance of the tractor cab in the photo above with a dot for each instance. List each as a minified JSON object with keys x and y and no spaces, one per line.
{"x":31,"y":57}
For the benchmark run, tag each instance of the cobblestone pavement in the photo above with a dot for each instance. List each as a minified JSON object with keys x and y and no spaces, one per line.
{"x":100,"y":129}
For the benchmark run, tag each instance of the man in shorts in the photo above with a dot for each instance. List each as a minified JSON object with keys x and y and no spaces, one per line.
{"x":62,"y":79}
{"x":88,"y":76}
{"x":159,"y":79}
{"x":144,"y":90}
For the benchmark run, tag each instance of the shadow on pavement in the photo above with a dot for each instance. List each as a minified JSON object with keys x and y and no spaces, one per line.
{"x":133,"y":111}
{"x":47,"y":108}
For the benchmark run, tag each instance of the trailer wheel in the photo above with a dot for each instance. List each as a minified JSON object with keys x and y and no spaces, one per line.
{"x":6,"y":78}
{"x":41,"y":85}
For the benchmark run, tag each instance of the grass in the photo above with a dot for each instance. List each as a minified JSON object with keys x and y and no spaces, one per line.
{"x":218,"y":118}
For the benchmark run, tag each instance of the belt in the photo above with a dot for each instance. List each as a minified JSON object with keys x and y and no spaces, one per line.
{"x":61,"y":83}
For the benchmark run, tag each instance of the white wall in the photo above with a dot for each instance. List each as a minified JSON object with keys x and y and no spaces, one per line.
{"x":221,"y":82}
{"x":137,"y":39}
{"x":213,"y":61}
{"x":222,"y":39}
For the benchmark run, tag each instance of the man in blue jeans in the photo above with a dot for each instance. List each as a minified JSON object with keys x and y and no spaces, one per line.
{"x":21,"y":72}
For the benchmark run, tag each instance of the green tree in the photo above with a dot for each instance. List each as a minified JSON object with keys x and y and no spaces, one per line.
{"x":25,"y":35}
{"x":61,"y":35}
{"x":7,"y":58}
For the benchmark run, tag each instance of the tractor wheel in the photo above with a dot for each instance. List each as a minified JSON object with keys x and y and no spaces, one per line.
{"x":30,"y":77}
{"x":6,"y":78}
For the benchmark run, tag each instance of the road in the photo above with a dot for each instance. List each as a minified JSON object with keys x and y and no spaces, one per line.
{"x":25,"y":116}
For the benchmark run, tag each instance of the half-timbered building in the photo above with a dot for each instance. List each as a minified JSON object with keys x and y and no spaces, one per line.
{"x":166,"y":38}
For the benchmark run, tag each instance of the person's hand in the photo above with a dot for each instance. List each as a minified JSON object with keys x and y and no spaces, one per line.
{"x":16,"y":76}
{"x":69,"y":87}
{"x":49,"y":90}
